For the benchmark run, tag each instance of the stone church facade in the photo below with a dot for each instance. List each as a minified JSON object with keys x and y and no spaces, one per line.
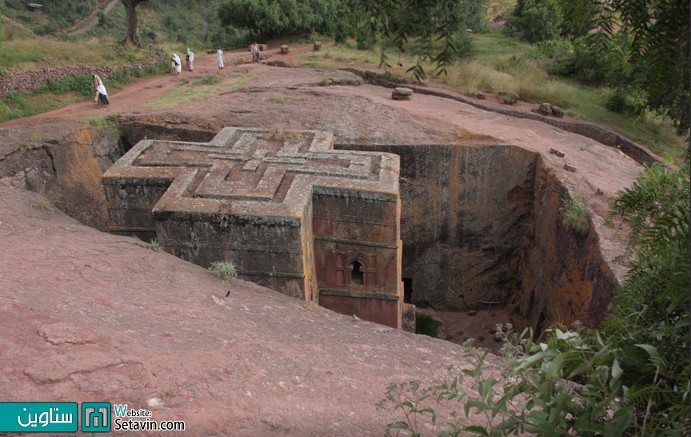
{"x":290,"y":212}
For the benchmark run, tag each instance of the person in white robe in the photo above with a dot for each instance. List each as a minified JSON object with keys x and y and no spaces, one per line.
{"x":96,"y":81}
{"x":102,"y":96}
{"x":176,"y":63}
{"x":255,"y":52}
{"x":190,"y":59}
{"x":219,"y":53}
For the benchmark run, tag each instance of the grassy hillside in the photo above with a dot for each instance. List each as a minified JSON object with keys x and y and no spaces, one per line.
{"x":188,"y":22}
{"x":56,"y":14}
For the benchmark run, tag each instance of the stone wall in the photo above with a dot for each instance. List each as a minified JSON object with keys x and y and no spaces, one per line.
{"x":30,"y":80}
{"x":465,"y":219}
{"x":483,"y":224}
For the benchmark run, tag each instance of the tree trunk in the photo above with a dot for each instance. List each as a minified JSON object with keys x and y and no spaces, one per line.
{"x":132,"y":23}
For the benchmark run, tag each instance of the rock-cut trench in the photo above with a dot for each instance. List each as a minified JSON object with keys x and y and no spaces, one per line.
{"x":481,"y":225}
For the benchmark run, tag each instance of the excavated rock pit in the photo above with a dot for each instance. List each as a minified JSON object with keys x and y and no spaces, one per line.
{"x":481,"y":225}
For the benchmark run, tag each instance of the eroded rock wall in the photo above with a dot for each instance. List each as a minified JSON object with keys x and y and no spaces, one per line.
{"x":64,"y":164}
{"x":483,"y":224}
{"x":564,"y":276}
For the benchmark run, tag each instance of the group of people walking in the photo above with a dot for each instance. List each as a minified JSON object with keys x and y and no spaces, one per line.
{"x":101,"y":97}
{"x":176,"y":63}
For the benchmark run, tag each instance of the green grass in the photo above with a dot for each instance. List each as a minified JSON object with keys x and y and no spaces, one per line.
{"x":154,"y":245}
{"x":501,"y":63}
{"x":29,"y":54}
{"x":575,"y":215}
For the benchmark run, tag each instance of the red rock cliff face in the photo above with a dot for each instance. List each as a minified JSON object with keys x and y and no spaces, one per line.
{"x":564,"y":276}
{"x":483,"y":224}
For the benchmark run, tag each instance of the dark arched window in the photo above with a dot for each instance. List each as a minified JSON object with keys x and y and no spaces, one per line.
{"x":356,"y":275}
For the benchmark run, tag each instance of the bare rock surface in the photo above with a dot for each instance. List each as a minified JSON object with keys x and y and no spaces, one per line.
{"x":88,"y":316}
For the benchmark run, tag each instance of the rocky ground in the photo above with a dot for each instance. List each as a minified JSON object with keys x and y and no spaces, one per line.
{"x":88,"y":316}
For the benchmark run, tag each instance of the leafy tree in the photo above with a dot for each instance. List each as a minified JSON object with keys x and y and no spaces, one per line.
{"x":660,"y":46}
{"x":272,"y":18}
{"x":536,"y":20}
{"x":132,"y":35}
{"x":436,"y":29}
{"x":579,"y":16}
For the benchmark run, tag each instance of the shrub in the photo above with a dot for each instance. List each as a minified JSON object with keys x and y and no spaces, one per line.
{"x":536,"y":20}
{"x":224,"y":270}
{"x":621,"y":101}
{"x":154,"y":245}
{"x":575,"y":215}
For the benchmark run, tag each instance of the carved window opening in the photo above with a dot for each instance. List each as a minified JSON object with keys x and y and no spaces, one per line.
{"x":357,"y":276}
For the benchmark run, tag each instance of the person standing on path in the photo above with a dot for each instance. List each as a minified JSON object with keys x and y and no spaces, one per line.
{"x":176,"y":63}
{"x":255,"y":52}
{"x":102,"y":95}
{"x":190,"y":59}
{"x":96,"y":81}
{"x":219,"y":53}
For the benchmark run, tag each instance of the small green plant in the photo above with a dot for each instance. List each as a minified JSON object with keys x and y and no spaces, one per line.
{"x":43,"y":203}
{"x":224,"y":270}
{"x":276,"y":99}
{"x":154,"y":245}
{"x":575,"y":215}
{"x":208,"y":80}
{"x":427,"y":325}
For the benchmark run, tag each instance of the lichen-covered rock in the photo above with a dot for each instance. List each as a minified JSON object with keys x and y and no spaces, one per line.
{"x":401,"y":93}
{"x":507,"y":98}
{"x":557,"y":111}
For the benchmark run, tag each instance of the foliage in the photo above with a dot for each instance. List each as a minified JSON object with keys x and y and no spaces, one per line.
{"x":272,"y":18}
{"x":578,"y":16}
{"x":623,"y":100}
{"x":575,"y":215}
{"x":630,"y":377}
{"x":154,"y":245}
{"x":536,"y":20}
{"x":433,"y":31}
{"x":224,"y":270}
{"x":660,"y":48}
{"x":56,"y":14}
{"x":427,"y":325}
